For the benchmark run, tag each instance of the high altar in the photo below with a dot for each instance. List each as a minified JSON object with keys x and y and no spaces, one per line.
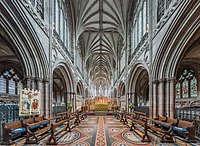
{"x":101,"y":103}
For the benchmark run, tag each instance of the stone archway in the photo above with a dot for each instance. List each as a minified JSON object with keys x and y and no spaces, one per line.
{"x":138,"y":87}
{"x":177,"y":51}
{"x":63,"y":87}
{"x":22,"y":53}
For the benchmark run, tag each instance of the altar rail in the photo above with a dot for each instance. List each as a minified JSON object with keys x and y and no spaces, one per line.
{"x":191,"y":114}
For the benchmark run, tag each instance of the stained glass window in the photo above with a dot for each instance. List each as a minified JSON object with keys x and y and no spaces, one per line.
{"x":2,"y":84}
{"x":9,"y":82}
{"x":178,"y":90}
{"x":185,"y":89}
{"x":193,"y":87}
{"x":11,"y":86}
{"x":186,"y":84}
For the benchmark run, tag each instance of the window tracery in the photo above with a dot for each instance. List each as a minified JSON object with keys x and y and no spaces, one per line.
{"x":60,"y":22}
{"x":9,"y":82}
{"x":140,"y":27}
{"x":186,"y":86}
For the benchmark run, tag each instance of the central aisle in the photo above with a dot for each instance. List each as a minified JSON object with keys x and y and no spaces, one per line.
{"x":106,"y":131}
{"x":101,"y":131}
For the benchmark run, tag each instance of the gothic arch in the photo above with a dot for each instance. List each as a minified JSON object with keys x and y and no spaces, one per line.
{"x":80,"y":88}
{"x":172,"y":48}
{"x":137,"y":68}
{"x":138,"y":85}
{"x":24,"y":43}
{"x":67,"y":74}
{"x":121,"y":89}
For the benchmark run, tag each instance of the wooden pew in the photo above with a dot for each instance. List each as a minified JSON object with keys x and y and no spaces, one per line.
{"x":156,"y":126}
{"x":185,"y":129}
{"x":140,"y":113}
{"x":143,"y":124}
{"x":128,"y":116}
{"x":12,"y":131}
{"x":64,"y":115}
{"x":57,"y":128}
{"x":120,"y":115}
{"x":42,"y":130}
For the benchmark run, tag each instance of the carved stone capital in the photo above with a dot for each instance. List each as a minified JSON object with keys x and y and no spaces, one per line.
{"x":38,"y":79}
{"x":155,"y":81}
{"x":162,"y":80}
{"x":45,"y":80}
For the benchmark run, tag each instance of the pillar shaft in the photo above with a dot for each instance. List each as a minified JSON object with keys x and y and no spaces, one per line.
{"x":46,"y":99}
{"x":167,"y":101}
{"x":161,"y":98}
{"x":172,"y":98}
{"x":155,"y":98}
{"x":40,"y":87}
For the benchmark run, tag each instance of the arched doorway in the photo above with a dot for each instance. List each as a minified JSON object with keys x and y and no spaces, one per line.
{"x":175,"y":66}
{"x":79,"y":95}
{"x":138,"y":87}
{"x":63,"y":87}
{"x":122,"y":96}
{"x":59,"y":88}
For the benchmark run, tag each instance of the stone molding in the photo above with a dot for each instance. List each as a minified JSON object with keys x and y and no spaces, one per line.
{"x":27,"y":4}
{"x":165,"y":18}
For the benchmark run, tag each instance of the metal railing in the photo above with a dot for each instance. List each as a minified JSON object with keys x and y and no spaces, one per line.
{"x":143,"y":109}
{"x":8,"y":113}
{"x":191,"y":114}
{"x":58,"y":109}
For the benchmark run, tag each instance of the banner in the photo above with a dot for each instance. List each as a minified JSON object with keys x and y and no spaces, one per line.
{"x":29,"y":102}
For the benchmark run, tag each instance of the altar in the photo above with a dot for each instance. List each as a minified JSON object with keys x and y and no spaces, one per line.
{"x":101,"y":103}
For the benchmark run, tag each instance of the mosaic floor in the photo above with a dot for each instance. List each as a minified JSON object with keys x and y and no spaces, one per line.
{"x":106,"y":131}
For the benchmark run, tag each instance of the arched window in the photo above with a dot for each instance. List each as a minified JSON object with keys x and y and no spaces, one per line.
{"x":141,"y":24}
{"x":186,"y":86}
{"x":60,"y":21}
{"x":56,"y":14}
{"x":9,"y":82}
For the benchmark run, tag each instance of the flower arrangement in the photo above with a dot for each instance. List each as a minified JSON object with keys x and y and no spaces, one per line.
{"x":131,"y":106}
{"x":69,"y":106}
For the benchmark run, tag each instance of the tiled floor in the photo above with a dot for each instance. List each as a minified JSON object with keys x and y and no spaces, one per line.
{"x":106,"y":131}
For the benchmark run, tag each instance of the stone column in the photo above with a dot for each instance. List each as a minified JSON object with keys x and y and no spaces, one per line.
{"x":74,"y":101}
{"x":46,"y":98}
{"x":161,"y":97}
{"x":40,"y":87}
{"x":34,"y":83}
{"x":155,"y":98}
{"x":135,"y":98}
{"x":167,"y":97}
{"x":28,"y":82}
{"x":172,"y":98}
{"x":198,"y":85}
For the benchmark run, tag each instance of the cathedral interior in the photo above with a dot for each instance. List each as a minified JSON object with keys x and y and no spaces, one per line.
{"x":100,"y":72}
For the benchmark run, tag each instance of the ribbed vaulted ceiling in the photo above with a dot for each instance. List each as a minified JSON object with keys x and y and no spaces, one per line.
{"x":101,"y":28}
